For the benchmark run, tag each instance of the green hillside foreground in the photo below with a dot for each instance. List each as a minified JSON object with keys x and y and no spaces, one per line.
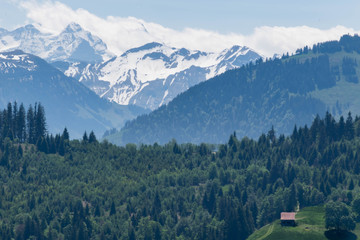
{"x":52,"y":187}
{"x":310,"y":225}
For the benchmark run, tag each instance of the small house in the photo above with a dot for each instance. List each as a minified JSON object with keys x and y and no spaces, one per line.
{"x":287,"y":219}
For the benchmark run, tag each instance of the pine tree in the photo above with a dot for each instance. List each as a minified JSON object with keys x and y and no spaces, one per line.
{"x":292,"y":198}
{"x":10,"y":121}
{"x":4,"y":124}
{"x":349,"y":127}
{"x":14,"y":129}
{"x":65,"y":134}
{"x":131,"y":233}
{"x":112,"y":209}
{"x":30,"y":125}
{"x":97,"y":211}
{"x":341,"y":128}
{"x":51,"y":142}
{"x":157,"y":232}
{"x":61,"y":150}
{"x":92,"y":137}
{"x":42,"y":145}
{"x":85,"y":138}
{"x":40,"y":122}
{"x":21,"y":124}
{"x":271,"y":135}
{"x":351,"y":184}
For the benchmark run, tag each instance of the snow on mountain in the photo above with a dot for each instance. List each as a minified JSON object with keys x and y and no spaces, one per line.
{"x":152,"y":75}
{"x":18,"y":60}
{"x":72,"y":44}
{"x":148,"y":76}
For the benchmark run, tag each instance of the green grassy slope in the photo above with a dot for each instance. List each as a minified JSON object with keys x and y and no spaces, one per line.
{"x":310,"y":225}
{"x":343,"y":97}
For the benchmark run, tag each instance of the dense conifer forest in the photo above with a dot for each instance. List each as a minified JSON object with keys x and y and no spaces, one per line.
{"x":56,"y":188}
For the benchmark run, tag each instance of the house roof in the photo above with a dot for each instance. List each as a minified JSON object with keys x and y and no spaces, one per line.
{"x":288,"y":216}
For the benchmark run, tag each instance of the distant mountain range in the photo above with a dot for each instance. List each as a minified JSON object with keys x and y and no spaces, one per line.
{"x":250,"y":100}
{"x":152,"y":75}
{"x":148,"y":76}
{"x":27,"y":79}
{"x":72,"y":44}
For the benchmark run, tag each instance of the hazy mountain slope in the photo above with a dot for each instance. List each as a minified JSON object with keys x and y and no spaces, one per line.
{"x":29,"y":79}
{"x":249,"y":100}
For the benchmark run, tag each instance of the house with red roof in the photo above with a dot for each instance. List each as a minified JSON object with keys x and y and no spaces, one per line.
{"x":288,"y":219}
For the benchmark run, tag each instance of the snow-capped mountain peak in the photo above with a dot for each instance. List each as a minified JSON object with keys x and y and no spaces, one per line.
{"x":148,"y":76}
{"x":27,"y":30}
{"x":72,"y":44}
{"x":153,"y":74}
{"x":73,"y":27}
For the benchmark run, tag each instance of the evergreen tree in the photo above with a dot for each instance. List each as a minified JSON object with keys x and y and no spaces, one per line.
{"x":10,"y":121}
{"x":97,"y":211}
{"x":14,"y":119}
{"x":271,"y":135}
{"x":85,"y":138}
{"x":21,"y":124}
{"x":131,"y":233}
{"x":30,"y":125}
{"x":341,"y":128}
{"x":349,"y":127}
{"x":157,"y":232}
{"x":42,"y":145}
{"x":61,"y":149}
{"x":292,"y":199}
{"x":65,"y":134}
{"x":92,"y":137}
{"x":40,"y":121}
{"x":351,"y":185}
{"x":112,"y":209}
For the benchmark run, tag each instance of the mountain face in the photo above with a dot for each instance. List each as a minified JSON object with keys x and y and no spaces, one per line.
{"x":28,"y":79}
{"x":152,"y":75}
{"x":148,"y":76}
{"x":72,"y":44}
{"x":252,"y":99}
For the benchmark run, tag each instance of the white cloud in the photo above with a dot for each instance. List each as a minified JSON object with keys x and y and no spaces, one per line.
{"x":121,"y":34}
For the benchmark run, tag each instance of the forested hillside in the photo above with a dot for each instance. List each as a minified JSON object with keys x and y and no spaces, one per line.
{"x":249,"y":100}
{"x":94,"y":190}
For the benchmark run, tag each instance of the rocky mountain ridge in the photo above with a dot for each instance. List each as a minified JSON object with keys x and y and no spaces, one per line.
{"x":148,"y":76}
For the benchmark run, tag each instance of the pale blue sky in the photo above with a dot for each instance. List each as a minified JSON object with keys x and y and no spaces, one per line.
{"x":224,"y":16}
{"x":269,"y":27}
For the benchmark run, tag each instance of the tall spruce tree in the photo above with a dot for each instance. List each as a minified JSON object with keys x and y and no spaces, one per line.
{"x":349,"y":127}
{"x":65,"y":134}
{"x":30,"y":125}
{"x":85,"y":138}
{"x":14,"y":126}
{"x":92,"y":137}
{"x":9,"y":121}
{"x":21,"y":124}
{"x":40,"y":122}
